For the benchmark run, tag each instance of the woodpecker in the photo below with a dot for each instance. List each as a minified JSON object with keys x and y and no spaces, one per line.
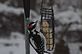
{"x":36,"y":36}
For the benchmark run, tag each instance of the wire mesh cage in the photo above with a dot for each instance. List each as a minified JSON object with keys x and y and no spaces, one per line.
{"x":47,"y":26}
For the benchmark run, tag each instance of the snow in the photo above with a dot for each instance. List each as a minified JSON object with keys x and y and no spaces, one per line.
{"x":7,"y":9}
{"x":16,"y":46}
{"x":33,"y":14}
{"x":67,"y":17}
{"x":57,"y":29}
{"x":74,"y":48}
{"x":76,"y":27}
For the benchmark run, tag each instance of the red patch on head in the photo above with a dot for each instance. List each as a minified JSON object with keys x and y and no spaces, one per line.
{"x":29,"y":26}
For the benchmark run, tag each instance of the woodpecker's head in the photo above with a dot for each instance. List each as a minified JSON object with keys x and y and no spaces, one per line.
{"x":32,"y":25}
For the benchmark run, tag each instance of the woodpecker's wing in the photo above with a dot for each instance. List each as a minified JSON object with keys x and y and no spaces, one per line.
{"x":38,"y":43}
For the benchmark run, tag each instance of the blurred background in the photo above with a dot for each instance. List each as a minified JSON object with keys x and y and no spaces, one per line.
{"x":68,"y":25}
{"x":11,"y":27}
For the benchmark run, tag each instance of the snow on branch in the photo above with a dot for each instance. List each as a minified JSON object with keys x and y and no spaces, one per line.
{"x":6,"y":9}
